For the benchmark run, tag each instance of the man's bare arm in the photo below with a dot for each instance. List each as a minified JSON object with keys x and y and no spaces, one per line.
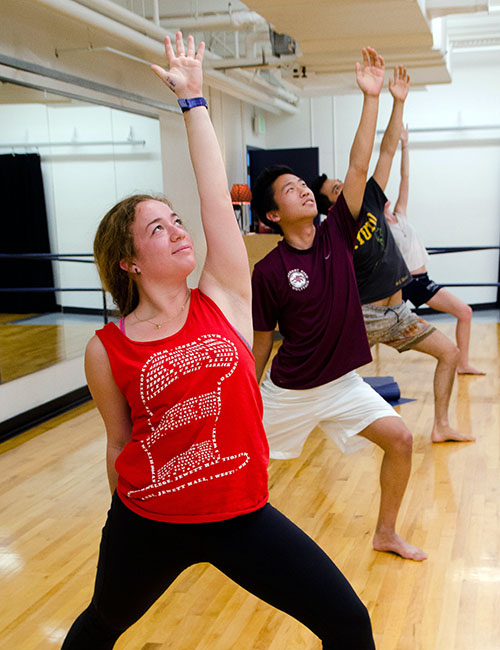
{"x":404,"y":184}
{"x":262,"y":347}
{"x":399,"y":86}
{"x":370,"y":80}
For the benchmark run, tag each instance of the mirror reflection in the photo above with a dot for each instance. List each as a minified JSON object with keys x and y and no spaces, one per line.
{"x":64,"y":162}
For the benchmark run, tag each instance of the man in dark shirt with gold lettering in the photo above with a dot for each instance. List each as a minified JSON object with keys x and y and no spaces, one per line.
{"x":381,"y":272}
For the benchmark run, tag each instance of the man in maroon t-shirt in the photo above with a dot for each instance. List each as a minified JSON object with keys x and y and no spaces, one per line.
{"x":308,"y":286}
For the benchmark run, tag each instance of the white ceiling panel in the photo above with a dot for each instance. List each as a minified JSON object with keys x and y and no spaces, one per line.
{"x":331,"y":33}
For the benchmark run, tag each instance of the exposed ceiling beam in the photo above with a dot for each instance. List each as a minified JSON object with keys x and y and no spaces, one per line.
{"x":150,"y":42}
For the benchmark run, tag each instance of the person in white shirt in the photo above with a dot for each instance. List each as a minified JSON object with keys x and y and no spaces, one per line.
{"x":422,"y":290}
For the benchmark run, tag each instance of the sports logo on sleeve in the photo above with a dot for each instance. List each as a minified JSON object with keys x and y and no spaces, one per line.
{"x":298,"y":279}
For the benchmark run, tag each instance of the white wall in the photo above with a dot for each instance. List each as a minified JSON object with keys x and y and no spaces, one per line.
{"x":31,"y":391}
{"x":236,"y":133}
{"x":454,"y":189}
{"x":290,"y":131}
{"x":179,"y":183}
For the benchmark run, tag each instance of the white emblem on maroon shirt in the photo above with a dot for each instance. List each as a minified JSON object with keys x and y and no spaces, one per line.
{"x":298,"y":279}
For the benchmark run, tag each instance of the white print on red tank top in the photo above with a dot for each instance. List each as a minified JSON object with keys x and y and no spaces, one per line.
{"x":202,"y":461}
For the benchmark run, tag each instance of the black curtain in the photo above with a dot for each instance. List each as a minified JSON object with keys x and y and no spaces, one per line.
{"x":24,"y":230}
{"x":304,"y":161}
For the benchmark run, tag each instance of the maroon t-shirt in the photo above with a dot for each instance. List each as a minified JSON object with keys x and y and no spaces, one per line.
{"x":313,"y":297}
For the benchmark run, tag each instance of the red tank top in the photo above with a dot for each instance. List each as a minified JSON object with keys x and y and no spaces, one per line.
{"x":198,"y":451}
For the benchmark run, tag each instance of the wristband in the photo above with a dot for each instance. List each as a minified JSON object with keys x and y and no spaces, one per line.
{"x":188,"y":104}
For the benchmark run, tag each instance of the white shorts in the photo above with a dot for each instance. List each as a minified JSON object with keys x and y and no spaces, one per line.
{"x":342,"y":408}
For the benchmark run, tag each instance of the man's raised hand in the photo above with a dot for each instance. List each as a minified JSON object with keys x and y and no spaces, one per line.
{"x":399,"y":84}
{"x":370,"y":77}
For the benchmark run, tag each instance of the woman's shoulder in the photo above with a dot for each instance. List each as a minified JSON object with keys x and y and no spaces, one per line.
{"x":109,"y":330}
{"x":95,"y":348}
{"x":107,"y":335}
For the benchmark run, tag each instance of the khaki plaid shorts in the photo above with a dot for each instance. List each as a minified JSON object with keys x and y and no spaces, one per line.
{"x":396,"y":326}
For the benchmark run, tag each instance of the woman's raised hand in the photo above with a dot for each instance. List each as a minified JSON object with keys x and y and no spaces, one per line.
{"x":184,"y":76}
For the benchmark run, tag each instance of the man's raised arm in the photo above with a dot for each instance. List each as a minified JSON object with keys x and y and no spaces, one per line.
{"x":370,"y":79}
{"x":404,"y":184}
{"x":399,"y":86}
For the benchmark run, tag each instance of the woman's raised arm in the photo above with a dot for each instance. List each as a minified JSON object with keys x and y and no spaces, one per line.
{"x":226,"y":275}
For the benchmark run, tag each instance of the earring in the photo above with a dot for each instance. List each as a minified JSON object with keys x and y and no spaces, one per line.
{"x":136,"y":270}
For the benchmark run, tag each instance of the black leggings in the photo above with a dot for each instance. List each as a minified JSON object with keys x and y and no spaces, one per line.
{"x":263,"y":552}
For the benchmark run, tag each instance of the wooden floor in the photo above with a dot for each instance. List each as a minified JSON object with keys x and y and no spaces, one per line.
{"x":54,"y":496}
{"x":27,"y":348}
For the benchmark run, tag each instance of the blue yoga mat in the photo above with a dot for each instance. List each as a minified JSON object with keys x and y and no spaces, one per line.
{"x":387,"y":388}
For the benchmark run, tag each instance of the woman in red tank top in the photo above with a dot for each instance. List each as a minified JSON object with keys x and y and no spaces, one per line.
{"x":175,"y":386}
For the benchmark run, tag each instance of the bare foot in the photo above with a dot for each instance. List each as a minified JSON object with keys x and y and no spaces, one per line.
{"x":447,"y":434}
{"x":469,"y":370}
{"x":393,"y":543}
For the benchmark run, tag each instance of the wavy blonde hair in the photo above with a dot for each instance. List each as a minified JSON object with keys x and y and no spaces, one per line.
{"x":113,"y":243}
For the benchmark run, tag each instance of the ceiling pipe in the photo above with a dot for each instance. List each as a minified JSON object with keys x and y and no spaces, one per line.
{"x":130,"y":19}
{"x":278,"y":88}
{"x":283,"y":95}
{"x":155,"y":49}
{"x":156,"y":12}
{"x":274,"y":104}
{"x":124,"y":16}
{"x":252,"y":38}
{"x":133,"y":20}
{"x":251,"y":62}
{"x":231,"y":22}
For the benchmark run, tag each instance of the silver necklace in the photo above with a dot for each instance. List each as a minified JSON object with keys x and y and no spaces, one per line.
{"x":159,"y":325}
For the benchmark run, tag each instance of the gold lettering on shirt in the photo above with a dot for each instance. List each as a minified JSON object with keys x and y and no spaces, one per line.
{"x":366,"y":231}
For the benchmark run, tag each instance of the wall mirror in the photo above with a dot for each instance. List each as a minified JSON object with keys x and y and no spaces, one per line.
{"x":66,"y":162}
